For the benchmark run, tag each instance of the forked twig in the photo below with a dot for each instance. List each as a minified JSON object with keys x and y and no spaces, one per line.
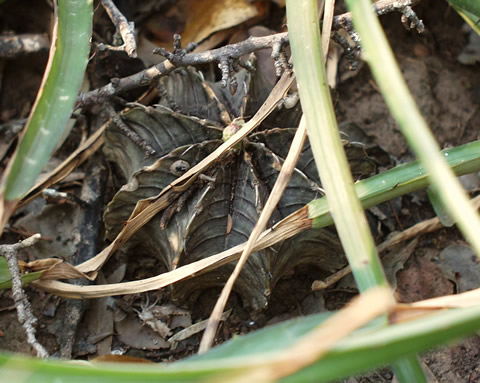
{"x":24,"y":310}
{"x":12,"y":45}
{"x":125,"y":28}
{"x":139,"y":141}
{"x":231,"y":51}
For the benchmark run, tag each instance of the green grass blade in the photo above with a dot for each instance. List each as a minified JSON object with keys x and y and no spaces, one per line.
{"x":400,"y":180}
{"x":330,"y":158}
{"x":6,"y":279}
{"x":374,"y":347}
{"x":365,"y":349}
{"x":328,"y":152}
{"x":470,"y":6}
{"x":439,"y":209}
{"x":408,"y":369}
{"x":56,"y":97}
{"x":404,"y":109}
{"x":472,"y":19}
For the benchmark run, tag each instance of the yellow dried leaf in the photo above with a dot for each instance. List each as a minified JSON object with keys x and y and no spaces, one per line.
{"x":205,"y":17}
{"x":53,"y":268}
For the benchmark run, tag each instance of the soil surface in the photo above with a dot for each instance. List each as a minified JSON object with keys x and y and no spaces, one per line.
{"x":447,"y":92}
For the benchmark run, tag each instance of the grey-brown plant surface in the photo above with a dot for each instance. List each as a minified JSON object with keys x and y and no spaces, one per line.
{"x":221,"y":208}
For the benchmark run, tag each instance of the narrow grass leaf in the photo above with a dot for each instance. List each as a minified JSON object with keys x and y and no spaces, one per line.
{"x":406,"y":113}
{"x":365,"y":349}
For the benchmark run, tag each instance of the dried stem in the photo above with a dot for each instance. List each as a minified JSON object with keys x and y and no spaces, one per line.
{"x":420,"y":228}
{"x":16,"y":45}
{"x":87,"y":232}
{"x":126,"y":29}
{"x":24,"y":311}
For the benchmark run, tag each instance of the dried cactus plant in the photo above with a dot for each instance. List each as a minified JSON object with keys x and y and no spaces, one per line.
{"x":220,"y":210}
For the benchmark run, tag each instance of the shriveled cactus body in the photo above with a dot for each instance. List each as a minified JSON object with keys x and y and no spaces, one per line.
{"x":220,"y":210}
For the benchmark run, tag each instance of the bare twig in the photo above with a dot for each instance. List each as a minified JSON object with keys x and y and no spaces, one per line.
{"x":411,"y":21}
{"x":149,"y":75}
{"x":76,"y":158}
{"x":279,"y":56}
{"x":24,"y":311}
{"x":62,"y":197}
{"x":126,"y":29}
{"x":117,"y":120}
{"x":227,"y":62}
{"x":233,"y":51}
{"x":86,"y":234}
{"x":178,"y":52}
{"x":12,"y":45}
{"x":381,"y":7}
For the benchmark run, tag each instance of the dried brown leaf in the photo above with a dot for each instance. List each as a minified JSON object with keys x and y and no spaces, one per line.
{"x":205,"y":17}
{"x":80,"y":155}
{"x":288,"y":227}
{"x":412,"y":311}
{"x":53,"y":268}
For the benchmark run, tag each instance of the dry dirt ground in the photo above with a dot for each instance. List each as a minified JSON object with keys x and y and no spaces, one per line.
{"x":448,"y":94}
